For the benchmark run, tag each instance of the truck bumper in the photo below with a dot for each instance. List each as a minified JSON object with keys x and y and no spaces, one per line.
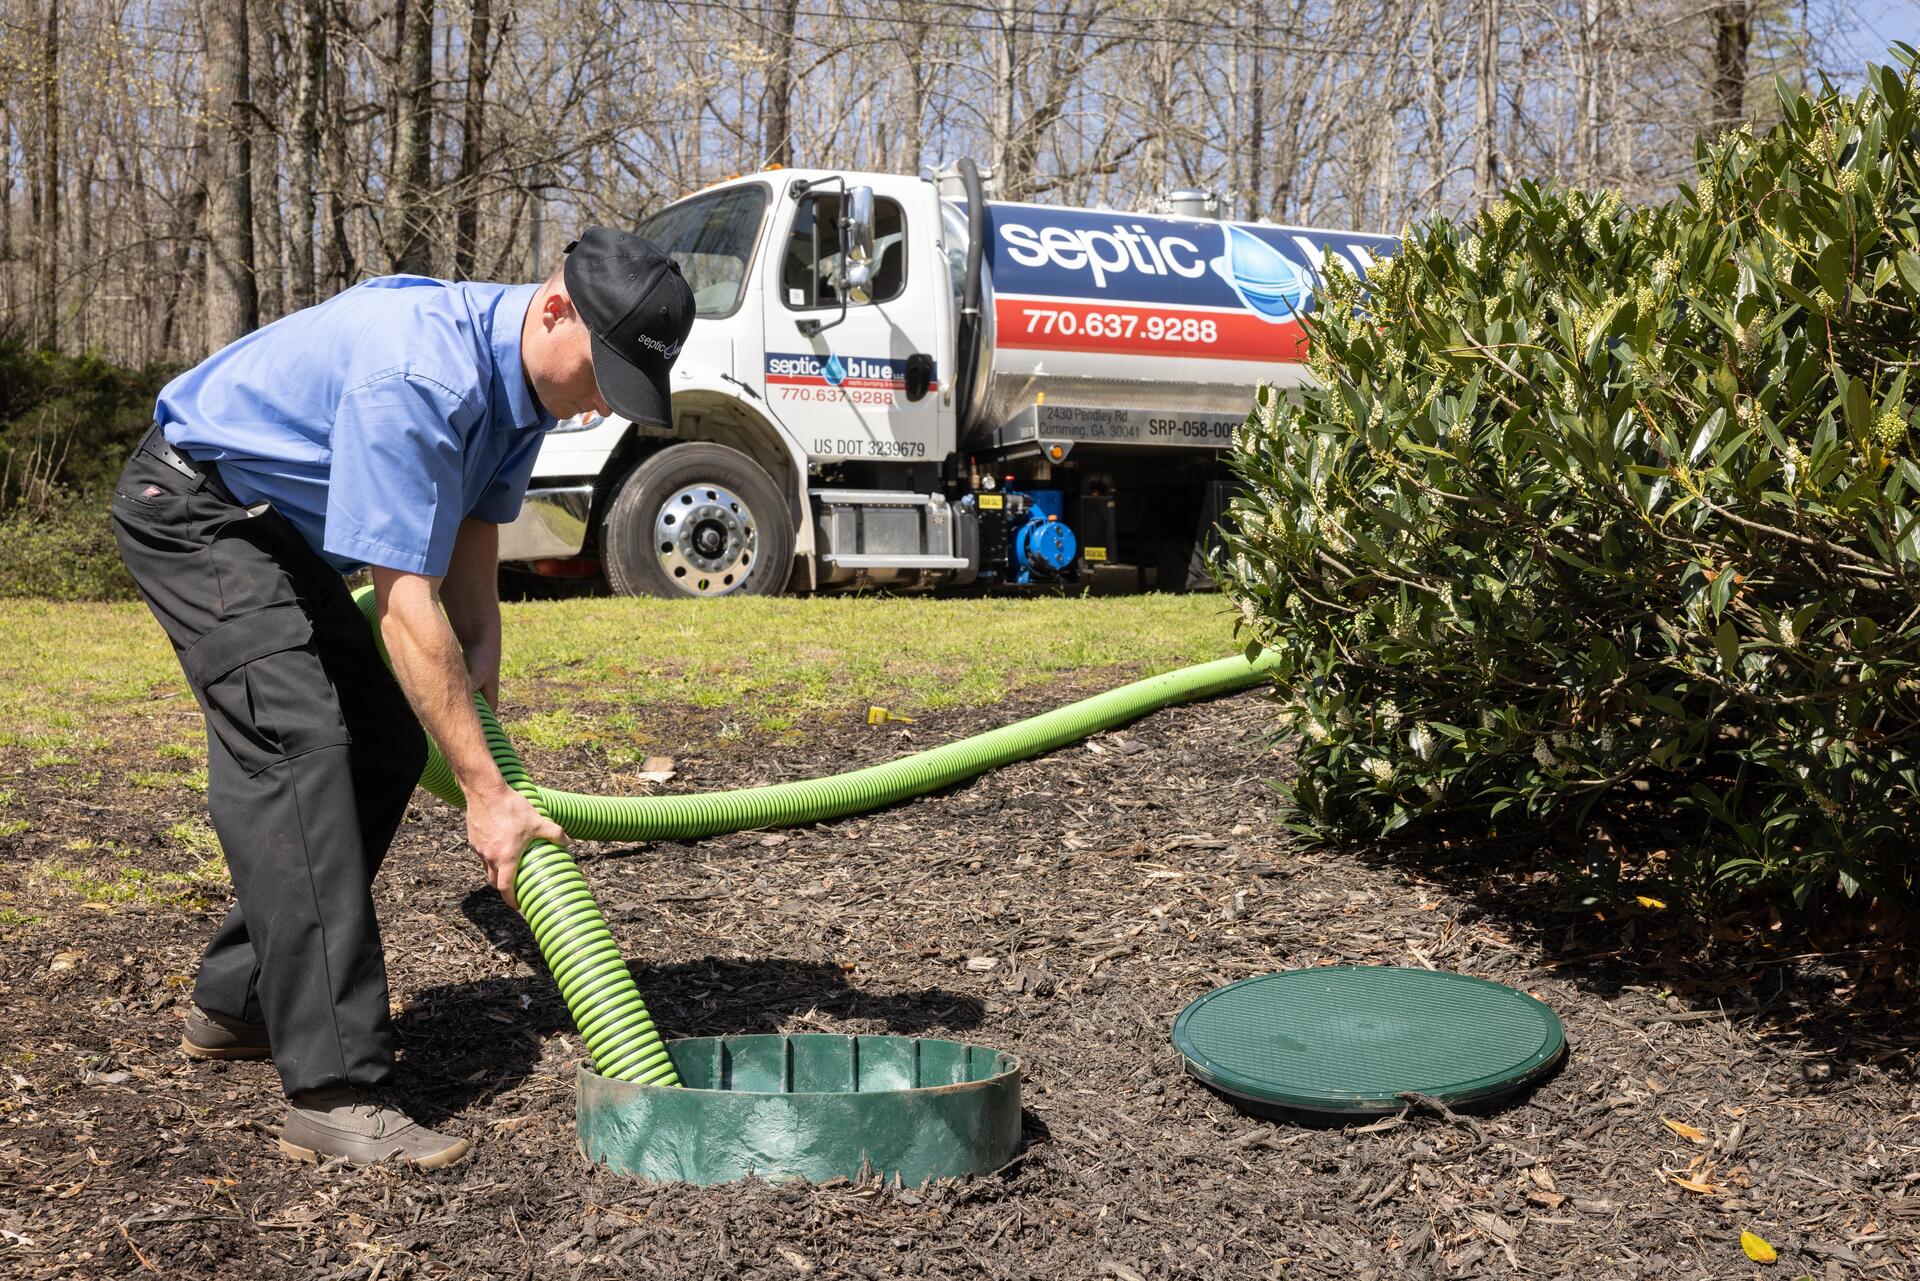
{"x":551,"y":523}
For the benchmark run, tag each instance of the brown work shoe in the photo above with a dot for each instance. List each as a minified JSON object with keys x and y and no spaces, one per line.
{"x":217,"y":1036}
{"x":361,"y":1126}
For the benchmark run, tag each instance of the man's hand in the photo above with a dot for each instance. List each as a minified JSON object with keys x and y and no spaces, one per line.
{"x":501,"y":825}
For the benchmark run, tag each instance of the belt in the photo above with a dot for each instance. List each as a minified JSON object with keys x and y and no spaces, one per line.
{"x":195,"y":471}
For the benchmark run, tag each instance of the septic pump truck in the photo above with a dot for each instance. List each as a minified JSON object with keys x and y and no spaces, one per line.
{"x":897,"y":381}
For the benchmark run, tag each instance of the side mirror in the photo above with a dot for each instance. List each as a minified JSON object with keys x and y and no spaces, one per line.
{"x":856,"y":224}
{"x":856,"y":237}
{"x":853,"y":266}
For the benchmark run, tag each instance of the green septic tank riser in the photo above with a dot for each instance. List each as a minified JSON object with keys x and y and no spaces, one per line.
{"x":813,"y":1106}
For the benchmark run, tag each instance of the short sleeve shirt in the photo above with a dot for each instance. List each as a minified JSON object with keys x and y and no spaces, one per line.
{"x":375,"y":421}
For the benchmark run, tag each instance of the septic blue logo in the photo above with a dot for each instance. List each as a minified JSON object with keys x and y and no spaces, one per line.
{"x":833,"y":371}
{"x":1093,"y":255}
{"x":1267,"y":281}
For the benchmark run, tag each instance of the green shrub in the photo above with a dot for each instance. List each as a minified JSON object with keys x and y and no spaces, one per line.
{"x":1619,"y":508}
{"x":67,"y":422}
{"x":62,"y":551}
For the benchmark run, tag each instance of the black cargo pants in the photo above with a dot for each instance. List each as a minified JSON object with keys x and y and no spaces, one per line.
{"x":312,"y":753}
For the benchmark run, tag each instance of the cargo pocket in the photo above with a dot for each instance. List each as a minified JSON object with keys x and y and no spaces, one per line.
{"x":266,"y":694}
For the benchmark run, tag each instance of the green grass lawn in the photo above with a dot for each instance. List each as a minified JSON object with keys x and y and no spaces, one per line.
{"x":74,"y":678}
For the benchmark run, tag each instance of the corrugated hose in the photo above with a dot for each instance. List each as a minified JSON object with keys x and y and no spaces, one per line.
{"x":573,"y":935}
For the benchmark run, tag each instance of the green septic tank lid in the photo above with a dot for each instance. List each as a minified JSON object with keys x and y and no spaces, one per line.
{"x":1346,"y":1041}
{"x":810,"y":1106}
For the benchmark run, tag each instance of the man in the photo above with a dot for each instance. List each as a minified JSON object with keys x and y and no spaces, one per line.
{"x":394,"y":427}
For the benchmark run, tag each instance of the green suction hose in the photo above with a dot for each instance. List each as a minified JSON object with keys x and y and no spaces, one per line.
{"x":579,"y":949}
{"x":560,"y":910}
{"x":651,"y":818}
{"x":567,"y":924}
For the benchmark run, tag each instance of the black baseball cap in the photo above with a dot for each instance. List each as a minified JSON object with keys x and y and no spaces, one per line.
{"x":639,"y":310}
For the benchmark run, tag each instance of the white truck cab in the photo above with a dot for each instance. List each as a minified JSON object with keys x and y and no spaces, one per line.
{"x":894,"y":380}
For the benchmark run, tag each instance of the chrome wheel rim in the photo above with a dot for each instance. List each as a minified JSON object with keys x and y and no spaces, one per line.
{"x":706,"y":538}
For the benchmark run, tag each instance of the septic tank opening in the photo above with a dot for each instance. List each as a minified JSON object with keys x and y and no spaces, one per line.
{"x":813,"y":1106}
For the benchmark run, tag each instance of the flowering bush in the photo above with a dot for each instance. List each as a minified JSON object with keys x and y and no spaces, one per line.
{"x":1610,"y":506}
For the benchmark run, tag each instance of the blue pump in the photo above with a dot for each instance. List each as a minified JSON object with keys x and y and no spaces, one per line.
{"x":1044,"y":544}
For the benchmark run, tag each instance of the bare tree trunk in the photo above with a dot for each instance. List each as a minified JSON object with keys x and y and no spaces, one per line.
{"x":342,"y":265}
{"x":303,"y":159}
{"x":914,"y":41}
{"x":1732,"y":34}
{"x":473,"y":131}
{"x":1436,"y":105}
{"x":1587,"y":145}
{"x":1383,"y":177}
{"x":536,"y":223}
{"x":6,"y":216}
{"x":233,"y":307}
{"x":1253,"y":204}
{"x":140,"y":317}
{"x":1486,"y":161}
{"x":186,"y":216}
{"x":1003,"y":87}
{"x":1230,"y":205}
{"x":1161,"y":55}
{"x":776,"y":106}
{"x":47,"y":318}
{"x":269,"y":222}
{"x":409,"y":247}
{"x":81,"y":223}
{"x":507,"y":254}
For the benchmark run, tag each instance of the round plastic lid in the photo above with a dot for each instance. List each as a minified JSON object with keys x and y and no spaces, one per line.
{"x":1349,"y":1040}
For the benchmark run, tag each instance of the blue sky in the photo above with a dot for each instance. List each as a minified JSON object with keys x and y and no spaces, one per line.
{"x":1871,"y":26}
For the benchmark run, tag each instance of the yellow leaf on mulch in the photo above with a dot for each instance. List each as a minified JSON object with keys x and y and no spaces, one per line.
{"x":1651,"y":904}
{"x":1757,"y":1249}
{"x":1684,"y":1130}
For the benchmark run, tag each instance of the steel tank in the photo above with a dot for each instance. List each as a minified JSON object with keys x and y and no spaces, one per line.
{"x":1148,"y":329}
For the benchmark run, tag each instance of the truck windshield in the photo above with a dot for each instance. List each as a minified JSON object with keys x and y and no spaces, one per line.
{"x":712,"y":238}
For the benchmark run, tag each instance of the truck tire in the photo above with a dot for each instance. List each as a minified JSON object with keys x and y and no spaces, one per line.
{"x":697,"y":520}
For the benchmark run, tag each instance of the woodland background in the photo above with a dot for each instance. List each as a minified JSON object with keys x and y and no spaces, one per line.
{"x":175,"y":172}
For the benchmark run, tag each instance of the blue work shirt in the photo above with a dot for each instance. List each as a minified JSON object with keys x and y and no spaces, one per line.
{"x":374,"y":421}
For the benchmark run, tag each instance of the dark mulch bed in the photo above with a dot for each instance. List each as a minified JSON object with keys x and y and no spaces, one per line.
{"x":1109,"y":884}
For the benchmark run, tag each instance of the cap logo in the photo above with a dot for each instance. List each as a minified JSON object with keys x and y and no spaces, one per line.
{"x":666,"y":352}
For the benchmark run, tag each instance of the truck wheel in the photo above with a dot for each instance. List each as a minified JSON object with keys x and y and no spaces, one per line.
{"x":698,"y":520}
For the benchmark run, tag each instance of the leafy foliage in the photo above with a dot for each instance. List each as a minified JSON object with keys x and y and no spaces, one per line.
{"x":63,"y":551}
{"x":67,"y":422}
{"x":66,"y":426}
{"x":1614,"y":506}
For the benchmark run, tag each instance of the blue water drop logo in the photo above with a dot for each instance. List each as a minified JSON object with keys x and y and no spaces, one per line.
{"x":833,"y":371}
{"x":1268,"y":282}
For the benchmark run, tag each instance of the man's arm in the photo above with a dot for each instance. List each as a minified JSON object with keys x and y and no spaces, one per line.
{"x":427,"y":660}
{"x":471,"y":596}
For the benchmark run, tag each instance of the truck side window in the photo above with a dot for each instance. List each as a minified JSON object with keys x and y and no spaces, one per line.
{"x":810,"y":266}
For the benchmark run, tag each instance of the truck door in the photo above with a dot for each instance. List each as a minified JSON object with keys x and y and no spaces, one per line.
{"x":841,"y":386}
